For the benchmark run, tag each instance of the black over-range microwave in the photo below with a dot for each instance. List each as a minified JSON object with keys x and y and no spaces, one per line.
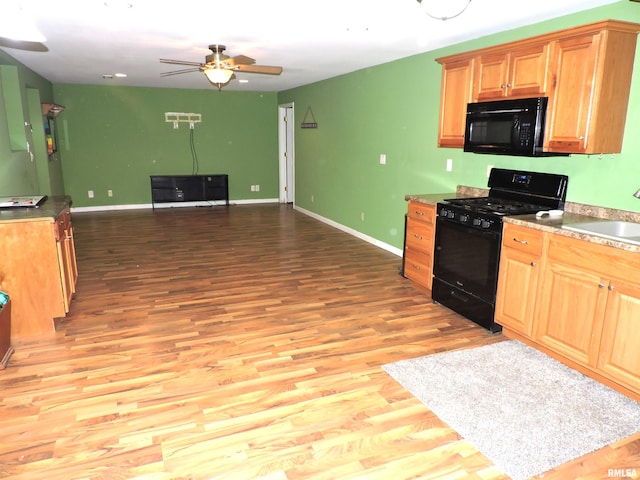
{"x":506,"y":127}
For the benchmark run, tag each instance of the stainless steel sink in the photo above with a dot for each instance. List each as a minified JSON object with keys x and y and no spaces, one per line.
{"x":612,"y":229}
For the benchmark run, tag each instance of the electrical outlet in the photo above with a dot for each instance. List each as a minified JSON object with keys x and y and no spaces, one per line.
{"x":449,"y":164}
{"x":90,"y":193}
{"x":312,"y":198}
{"x":383,"y":159}
{"x":362,"y":216}
{"x":253,"y":188}
{"x":109,"y":193}
{"x":257,"y":188}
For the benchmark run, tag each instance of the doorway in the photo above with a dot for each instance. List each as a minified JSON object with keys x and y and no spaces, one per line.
{"x":286,"y":152}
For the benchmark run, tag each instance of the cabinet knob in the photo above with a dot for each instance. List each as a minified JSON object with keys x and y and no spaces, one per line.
{"x":533,"y":264}
{"x":601,"y":285}
{"x":611,"y":287}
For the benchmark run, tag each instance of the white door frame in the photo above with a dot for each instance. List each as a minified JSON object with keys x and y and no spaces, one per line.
{"x":286,"y":156}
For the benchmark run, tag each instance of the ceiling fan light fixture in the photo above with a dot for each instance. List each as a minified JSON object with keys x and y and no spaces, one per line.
{"x":428,"y":8}
{"x":16,"y":24}
{"x":218,"y":75}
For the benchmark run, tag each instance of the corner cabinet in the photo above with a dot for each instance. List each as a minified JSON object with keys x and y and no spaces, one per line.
{"x":418,"y":244}
{"x":585,"y":71}
{"x":575,"y":300}
{"x":38,"y":269}
{"x":592,"y":78}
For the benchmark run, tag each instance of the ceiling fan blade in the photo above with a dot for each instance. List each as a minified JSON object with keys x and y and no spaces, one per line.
{"x":23,"y":45}
{"x":269,"y":70}
{"x":180,"y":62}
{"x":240,"y":60}
{"x":177,"y":72}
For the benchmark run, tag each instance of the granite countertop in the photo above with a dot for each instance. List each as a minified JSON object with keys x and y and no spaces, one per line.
{"x":573,"y":213}
{"x":51,"y":208}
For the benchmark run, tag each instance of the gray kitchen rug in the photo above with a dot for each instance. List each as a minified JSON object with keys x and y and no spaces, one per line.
{"x":523,"y":410}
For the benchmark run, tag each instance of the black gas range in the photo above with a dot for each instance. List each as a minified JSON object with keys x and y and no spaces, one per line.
{"x":469,"y":234}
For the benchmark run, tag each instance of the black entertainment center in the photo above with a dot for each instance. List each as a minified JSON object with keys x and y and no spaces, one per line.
{"x":189,"y":188}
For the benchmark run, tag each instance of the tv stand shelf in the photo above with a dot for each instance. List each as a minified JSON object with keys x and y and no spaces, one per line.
{"x":189,"y":188}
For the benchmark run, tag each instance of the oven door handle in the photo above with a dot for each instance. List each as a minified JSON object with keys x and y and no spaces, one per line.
{"x":460,"y":297}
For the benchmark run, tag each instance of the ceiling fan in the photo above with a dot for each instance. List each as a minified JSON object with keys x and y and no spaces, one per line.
{"x":219,"y":68}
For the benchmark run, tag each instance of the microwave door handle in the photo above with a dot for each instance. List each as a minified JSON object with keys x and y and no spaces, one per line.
{"x":515,"y":131}
{"x":512,"y":110}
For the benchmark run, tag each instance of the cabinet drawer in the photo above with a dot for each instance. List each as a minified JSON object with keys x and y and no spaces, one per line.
{"x":419,"y":236}
{"x":521,"y":238}
{"x":417,"y":267}
{"x":422,"y":211}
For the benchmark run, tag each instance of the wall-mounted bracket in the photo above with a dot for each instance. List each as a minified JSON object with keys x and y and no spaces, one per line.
{"x":178,"y":118}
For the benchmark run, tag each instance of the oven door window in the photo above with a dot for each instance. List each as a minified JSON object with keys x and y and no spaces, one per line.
{"x":467,"y":258}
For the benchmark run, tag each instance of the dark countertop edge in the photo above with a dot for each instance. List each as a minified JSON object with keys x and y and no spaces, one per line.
{"x":51,"y":208}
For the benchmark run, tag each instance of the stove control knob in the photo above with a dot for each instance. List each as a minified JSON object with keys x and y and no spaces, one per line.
{"x":486,"y":224}
{"x":451,"y":214}
{"x":464,"y":218}
{"x":443,"y":212}
{"x":477,"y":222}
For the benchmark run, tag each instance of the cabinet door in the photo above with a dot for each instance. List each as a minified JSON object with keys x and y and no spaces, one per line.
{"x":528,"y":71}
{"x":520,"y":264}
{"x":517,"y":290}
{"x":457,"y":82}
{"x":491,"y":77}
{"x":571,"y":310}
{"x":569,"y":105}
{"x":619,"y":356}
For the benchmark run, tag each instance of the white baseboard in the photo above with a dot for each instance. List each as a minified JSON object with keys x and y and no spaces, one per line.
{"x":351,"y":231}
{"x":138,"y":206}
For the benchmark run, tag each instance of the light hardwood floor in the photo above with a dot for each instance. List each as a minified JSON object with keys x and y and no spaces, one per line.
{"x":238,"y":343}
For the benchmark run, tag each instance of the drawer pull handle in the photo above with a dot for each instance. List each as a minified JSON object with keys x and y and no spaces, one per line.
{"x":419,"y":237}
{"x":416,"y":267}
{"x":419,"y":212}
{"x":523,"y":242}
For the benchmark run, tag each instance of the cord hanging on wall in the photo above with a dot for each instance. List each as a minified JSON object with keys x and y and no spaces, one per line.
{"x":178,"y":118}
{"x":306,"y":124}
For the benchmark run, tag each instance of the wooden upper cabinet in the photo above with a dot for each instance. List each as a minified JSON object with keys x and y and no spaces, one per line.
{"x":519,"y":73}
{"x":585,"y":71}
{"x":592,"y":78}
{"x":457,"y":81}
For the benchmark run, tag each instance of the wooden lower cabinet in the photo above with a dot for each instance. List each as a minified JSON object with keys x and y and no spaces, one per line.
{"x":39,"y":272}
{"x":582,"y":305}
{"x":520,"y":268}
{"x":571,"y":312}
{"x":419,"y":241}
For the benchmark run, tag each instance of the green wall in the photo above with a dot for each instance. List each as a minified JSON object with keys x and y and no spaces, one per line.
{"x":21,"y":92}
{"x":113,"y":138}
{"x":393,"y":109}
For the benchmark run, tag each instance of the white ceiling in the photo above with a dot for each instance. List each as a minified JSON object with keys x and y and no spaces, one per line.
{"x":311,"y":40}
